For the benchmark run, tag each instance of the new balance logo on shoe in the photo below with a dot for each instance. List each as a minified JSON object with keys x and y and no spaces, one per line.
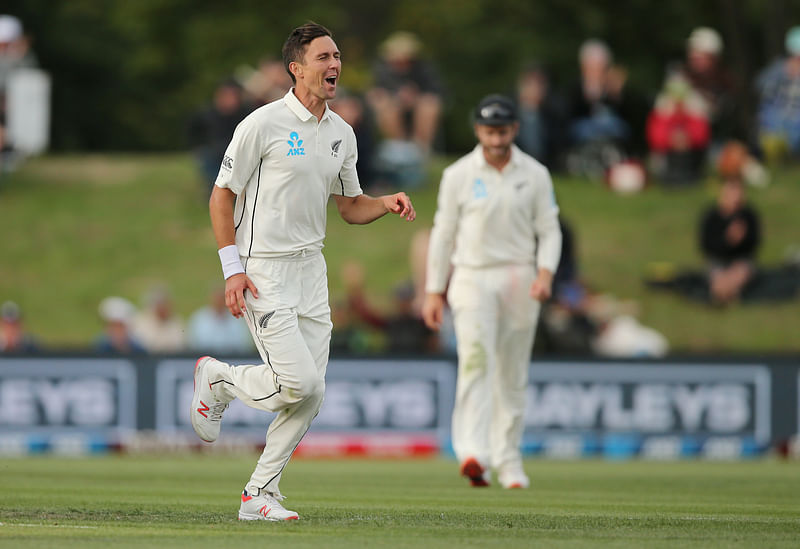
{"x":207,"y":405}
{"x":203,"y":409}
{"x":263,"y":506}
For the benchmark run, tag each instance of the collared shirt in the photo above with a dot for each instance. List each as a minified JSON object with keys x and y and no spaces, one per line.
{"x":487,"y":218}
{"x":283,"y":166}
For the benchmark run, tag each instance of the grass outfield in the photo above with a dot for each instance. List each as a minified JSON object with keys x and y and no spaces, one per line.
{"x":76,"y":229}
{"x":191,"y":501}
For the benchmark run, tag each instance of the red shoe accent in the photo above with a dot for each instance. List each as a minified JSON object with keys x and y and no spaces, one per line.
{"x":515,"y":485}
{"x":202,"y":411}
{"x":246,"y":498}
{"x":474,"y":472}
{"x":196,"y":364}
{"x":265,"y":511}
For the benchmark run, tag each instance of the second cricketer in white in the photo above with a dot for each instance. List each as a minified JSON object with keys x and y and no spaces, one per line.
{"x":268,"y":211}
{"x":497,"y":224}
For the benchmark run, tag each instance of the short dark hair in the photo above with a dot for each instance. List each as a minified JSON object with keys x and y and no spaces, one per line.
{"x":295,"y":46}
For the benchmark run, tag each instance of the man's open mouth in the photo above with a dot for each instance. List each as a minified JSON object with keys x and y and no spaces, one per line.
{"x":331,"y":80}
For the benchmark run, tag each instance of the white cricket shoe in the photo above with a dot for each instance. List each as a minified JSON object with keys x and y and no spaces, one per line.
{"x":207,"y":403}
{"x":513,"y":476}
{"x":263,"y":507}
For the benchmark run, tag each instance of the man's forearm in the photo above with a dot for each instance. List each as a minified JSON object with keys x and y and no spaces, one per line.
{"x":364,"y":209}
{"x":220,"y":208}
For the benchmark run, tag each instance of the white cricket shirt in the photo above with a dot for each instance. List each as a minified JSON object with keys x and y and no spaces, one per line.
{"x":487,"y":218}
{"x":283,"y":166}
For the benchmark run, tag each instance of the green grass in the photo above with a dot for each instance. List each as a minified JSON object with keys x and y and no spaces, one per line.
{"x":78,"y":228}
{"x":191,"y":501}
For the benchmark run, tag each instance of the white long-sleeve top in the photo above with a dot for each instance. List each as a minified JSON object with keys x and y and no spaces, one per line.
{"x":487,"y":218}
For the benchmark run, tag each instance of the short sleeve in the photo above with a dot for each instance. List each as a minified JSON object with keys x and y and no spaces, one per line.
{"x":346,"y":182}
{"x":241,"y":157}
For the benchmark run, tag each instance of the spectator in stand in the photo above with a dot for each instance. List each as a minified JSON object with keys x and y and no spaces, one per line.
{"x":13,"y":337}
{"x":565,"y":326}
{"x":156,"y":326}
{"x":353,"y":110}
{"x":15,"y":48}
{"x":539,"y":116}
{"x":403,"y":328}
{"x":708,"y":77}
{"x":736,"y":160}
{"x":580,"y":321}
{"x":211,"y":129}
{"x":348,"y":337}
{"x":406,"y":332}
{"x":407,"y":95}
{"x":268,"y":83}
{"x":678,"y":132}
{"x":15,"y":53}
{"x":605,"y":115}
{"x":213,"y":329}
{"x":116,"y":313}
{"x":779,"y":105}
{"x":407,"y":100}
{"x":730,"y":233}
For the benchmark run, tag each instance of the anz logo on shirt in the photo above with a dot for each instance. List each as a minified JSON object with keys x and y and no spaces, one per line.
{"x":479,"y":189}
{"x":296,"y":145}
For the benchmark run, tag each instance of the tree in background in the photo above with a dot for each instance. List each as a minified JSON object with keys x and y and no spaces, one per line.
{"x":127,"y":74}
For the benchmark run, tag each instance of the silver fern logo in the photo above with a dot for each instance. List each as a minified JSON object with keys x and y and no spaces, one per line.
{"x":264,"y":320}
{"x":335,"y":147}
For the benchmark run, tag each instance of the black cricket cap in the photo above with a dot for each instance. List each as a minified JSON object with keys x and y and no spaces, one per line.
{"x":495,"y":110}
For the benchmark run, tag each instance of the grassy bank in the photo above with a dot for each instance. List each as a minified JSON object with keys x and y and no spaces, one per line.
{"x":78,"y":228}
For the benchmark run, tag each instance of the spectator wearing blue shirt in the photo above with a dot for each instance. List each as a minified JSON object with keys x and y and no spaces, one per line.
{"x":779,"y":102}
{"x":213,"y":329}
{"x":117,"y":313}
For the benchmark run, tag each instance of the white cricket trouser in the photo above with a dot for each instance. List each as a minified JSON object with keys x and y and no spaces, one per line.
{"x":495,"y":322}
{"x":290,"y":323}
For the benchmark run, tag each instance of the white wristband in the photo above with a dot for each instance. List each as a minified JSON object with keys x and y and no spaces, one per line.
{"x":231,"y":264}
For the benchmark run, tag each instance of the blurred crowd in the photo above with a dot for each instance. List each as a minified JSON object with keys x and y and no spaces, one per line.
{"x":599,"y":127}
{"x":152,"y":328}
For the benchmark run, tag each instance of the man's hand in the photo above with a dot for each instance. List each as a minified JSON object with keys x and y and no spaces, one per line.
{"x":735,"y":232}
{"x":432,"y":309}
{"x":542,"y":287}
{"x":400,"y":204}
{"x":235,"y":287}
{"x":363,"y":209}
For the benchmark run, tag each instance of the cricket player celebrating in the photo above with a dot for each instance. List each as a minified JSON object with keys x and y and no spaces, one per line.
{"x":268,"y":212}
{"x":497,"y":223}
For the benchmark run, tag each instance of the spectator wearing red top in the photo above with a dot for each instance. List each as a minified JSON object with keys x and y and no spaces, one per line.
{"x":678,"y":132}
